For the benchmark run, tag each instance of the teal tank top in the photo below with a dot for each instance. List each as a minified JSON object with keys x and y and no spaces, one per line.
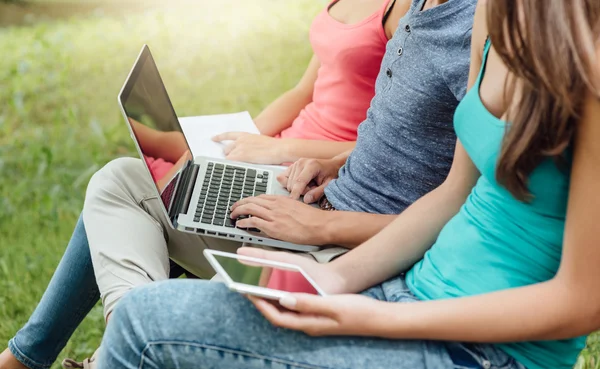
{"x":496,"y":242}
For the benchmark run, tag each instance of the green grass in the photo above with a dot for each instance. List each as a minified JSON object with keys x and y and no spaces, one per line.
{"x":59,"y":120}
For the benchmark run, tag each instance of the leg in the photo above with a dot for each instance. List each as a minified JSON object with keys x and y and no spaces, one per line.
{"x":211,"y":327}
{"x":70,"y":296}
{"x":130,"y":238}
{"x":201,"y":325}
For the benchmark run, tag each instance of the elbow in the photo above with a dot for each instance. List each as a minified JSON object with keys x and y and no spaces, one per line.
{"x":592,"y":317}
{"x":583,"y":312}
{"x":455,"y":189}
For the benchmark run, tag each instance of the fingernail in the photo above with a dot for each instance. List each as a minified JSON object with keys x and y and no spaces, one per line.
{"x":308,"y":198}
{"x":288,"y":301}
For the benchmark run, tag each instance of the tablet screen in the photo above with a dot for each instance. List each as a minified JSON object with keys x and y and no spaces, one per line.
{"x":257,"y":274}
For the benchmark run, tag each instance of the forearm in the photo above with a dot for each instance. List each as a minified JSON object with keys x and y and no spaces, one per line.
{"x":166,"y":145}
{"x":169,"y":146}
{"x":350,"y":229}
{"x":295,"y":149}
{"x":400,"y":244}
{"x":544,"y":311}
{"x":282,"y":112}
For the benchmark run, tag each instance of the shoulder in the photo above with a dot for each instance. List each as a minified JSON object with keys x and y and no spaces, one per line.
{"x":480,"y":32}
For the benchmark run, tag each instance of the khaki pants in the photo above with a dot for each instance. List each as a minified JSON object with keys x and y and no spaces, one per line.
{"x":131,"y":240}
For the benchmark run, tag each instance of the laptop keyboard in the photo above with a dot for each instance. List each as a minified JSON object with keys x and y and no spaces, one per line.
{"x":223,"y":186}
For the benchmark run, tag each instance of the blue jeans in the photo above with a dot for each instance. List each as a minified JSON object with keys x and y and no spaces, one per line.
{"x":202,"y":325}
{"x":69,"y":297}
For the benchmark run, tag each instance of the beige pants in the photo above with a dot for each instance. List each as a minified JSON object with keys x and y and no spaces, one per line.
{"x":130,"y":238}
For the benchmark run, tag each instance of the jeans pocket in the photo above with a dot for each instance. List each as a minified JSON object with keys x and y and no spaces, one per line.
{"x":396,"y":290}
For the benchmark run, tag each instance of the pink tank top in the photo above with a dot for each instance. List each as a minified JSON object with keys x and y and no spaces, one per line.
{"x":350,"y":56}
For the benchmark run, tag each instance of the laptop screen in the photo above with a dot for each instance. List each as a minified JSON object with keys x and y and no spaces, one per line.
{"x":153,"y":121}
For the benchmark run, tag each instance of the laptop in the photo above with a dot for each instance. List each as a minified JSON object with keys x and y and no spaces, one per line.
{"x":197,"y":193}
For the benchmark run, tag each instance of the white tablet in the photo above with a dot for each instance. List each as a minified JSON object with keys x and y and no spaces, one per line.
{"x":260,"y":277}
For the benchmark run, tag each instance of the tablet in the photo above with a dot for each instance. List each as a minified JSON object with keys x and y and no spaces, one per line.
{"x":251,"y":276}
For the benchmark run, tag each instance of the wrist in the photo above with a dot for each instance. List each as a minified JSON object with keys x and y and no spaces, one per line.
{"x":389,"y":320}
{"x":327,"y":228}
{"x":340,"y":159}
{"x":337,"y":162}
{"x":284,"y":149}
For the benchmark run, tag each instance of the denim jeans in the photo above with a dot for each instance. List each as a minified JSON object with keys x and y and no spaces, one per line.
{"x":69,"y":297}
{"x":201,"y":325}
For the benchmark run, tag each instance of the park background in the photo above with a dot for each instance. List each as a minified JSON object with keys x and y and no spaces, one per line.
{"x":61,"y":67}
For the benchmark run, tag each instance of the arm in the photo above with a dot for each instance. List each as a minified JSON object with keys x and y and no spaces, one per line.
{"x":379,"y":258}
{"x":416,"y":229}
{"x":293,"y":149}
{"x":281,"y":113}
{"x":290,"y":220}
{"x":351,"y":229}
{"x":261,"y":149}
{"x":566,"y":306}
{"x":169,"y":146}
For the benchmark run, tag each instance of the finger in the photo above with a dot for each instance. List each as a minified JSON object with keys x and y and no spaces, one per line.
{"x":263,"y":200}
{"x":283,"y":177}
{"x":229,"y":148}
{"x":308,"y":304}
{"x":228,"y":136}
{"x":268,"y":308}
{"x":291,"y":177}
{"x":311,"y":324}
{"x":236,"y":155}
{"x":302,"y":181}
{"x":255,"y":222}
{"x":314,"y":194}
{"x":253,"y":209}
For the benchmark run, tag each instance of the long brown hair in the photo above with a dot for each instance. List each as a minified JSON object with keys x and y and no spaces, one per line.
{"x":549,"y":48}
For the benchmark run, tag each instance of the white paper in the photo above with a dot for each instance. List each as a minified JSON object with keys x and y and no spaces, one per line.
{"x":200,"y":130}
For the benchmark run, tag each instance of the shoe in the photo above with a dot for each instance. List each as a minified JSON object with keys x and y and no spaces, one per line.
{"x":89,"y":363}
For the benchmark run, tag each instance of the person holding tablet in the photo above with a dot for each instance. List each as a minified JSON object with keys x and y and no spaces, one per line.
{"x":501,"y":260}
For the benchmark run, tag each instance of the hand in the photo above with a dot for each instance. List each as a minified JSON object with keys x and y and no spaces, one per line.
{"x":309,"y":177}
{"x":282,"y":218}
{"x":339,"y":315}
{"x":251,"y":148}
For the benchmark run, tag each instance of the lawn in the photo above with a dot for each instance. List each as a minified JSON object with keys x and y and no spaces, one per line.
{"x":59,"y":120}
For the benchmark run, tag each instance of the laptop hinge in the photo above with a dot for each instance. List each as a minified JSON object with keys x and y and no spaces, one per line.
{"x":184,"y":191}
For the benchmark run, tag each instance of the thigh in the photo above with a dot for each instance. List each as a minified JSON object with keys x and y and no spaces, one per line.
{"x":197,"y":324}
